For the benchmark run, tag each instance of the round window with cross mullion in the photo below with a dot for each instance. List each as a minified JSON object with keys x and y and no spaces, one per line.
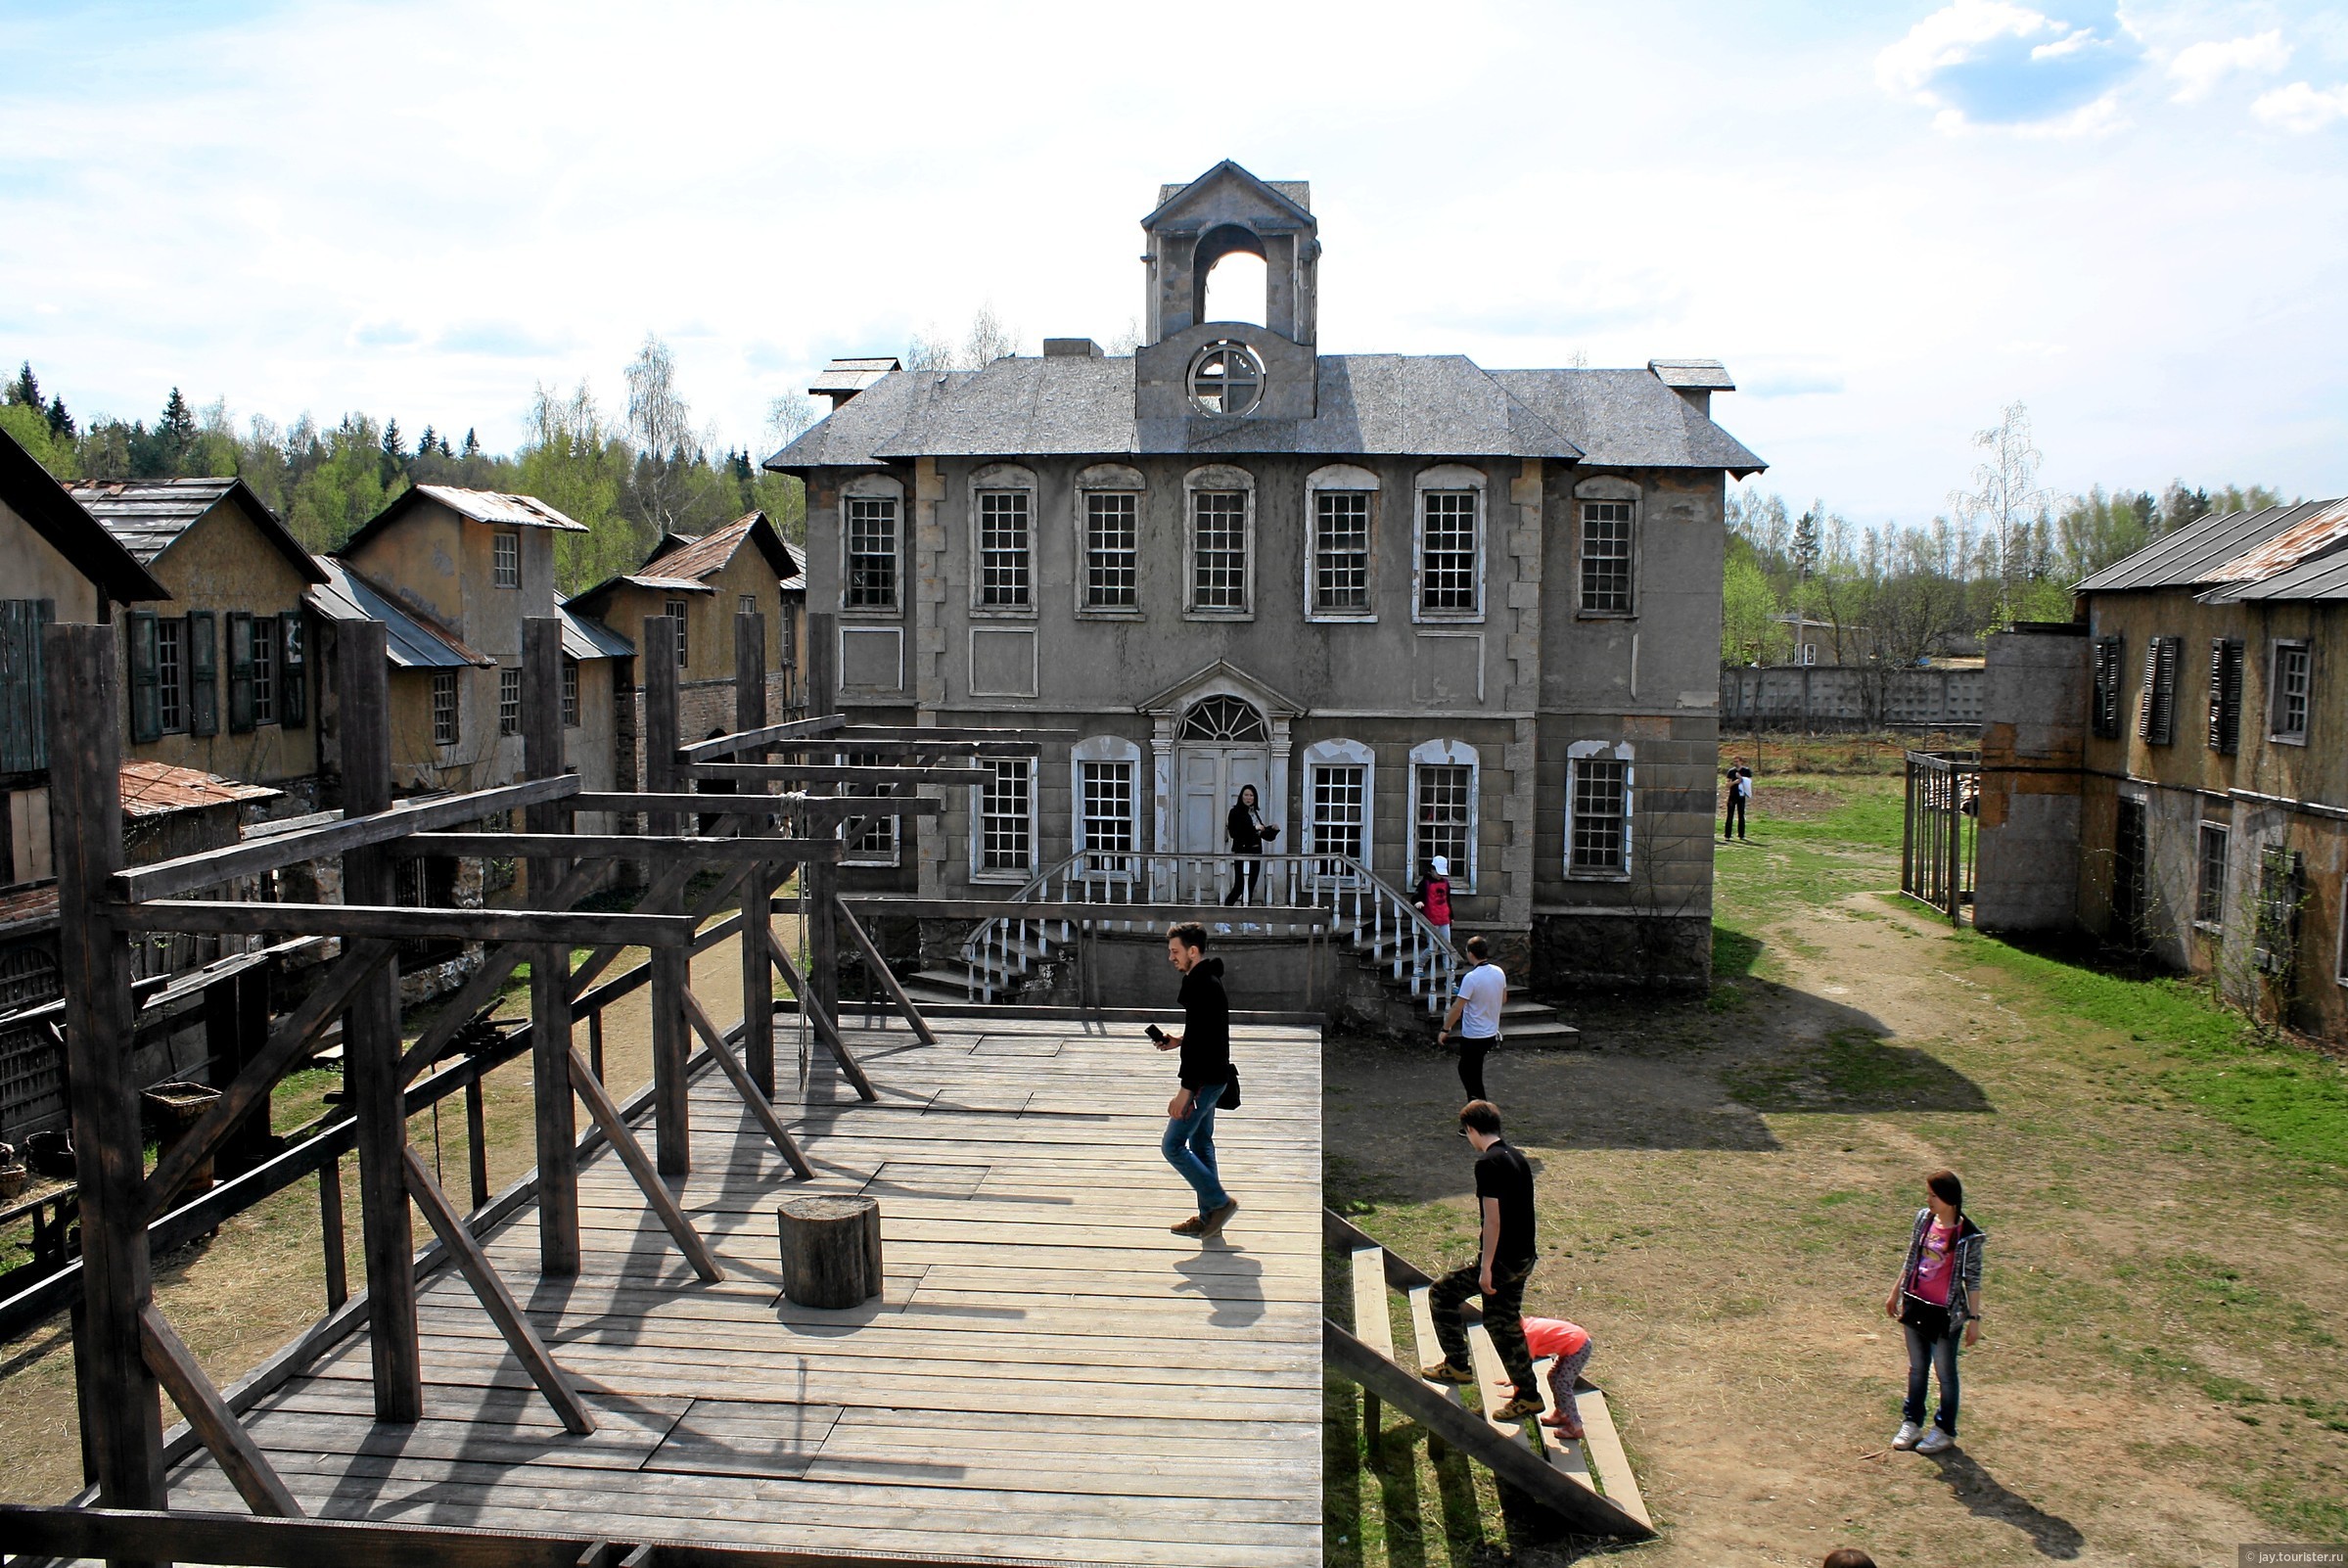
{"x":1227,"y":378}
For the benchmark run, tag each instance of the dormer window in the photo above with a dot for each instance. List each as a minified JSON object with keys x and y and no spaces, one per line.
{"x":1227,"y":378}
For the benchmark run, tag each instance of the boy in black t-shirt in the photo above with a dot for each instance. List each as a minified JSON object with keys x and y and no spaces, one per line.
{"x":1502,"y":1266}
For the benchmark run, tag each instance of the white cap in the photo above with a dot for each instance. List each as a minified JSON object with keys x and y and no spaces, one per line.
{"x":1443,"y":865}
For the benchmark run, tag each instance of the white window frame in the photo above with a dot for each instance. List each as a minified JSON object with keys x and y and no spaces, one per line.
{"x":448,"y":682}
{"x":1447,"y":753}
{"x":171,"y":703}
{"x":858,"y":852}
{"x":1098,"y":749}
{"x":680,"y":610}
{"x":979,"y":872}
{"x":2213,"y":924}
{"x":1612,"y":751}
{"x":505,"y":558}
{"x":267,"y":668}
{"x":509,"y":700}
{"x":2275,"y":692}
{"x":1344,"y":477}
{"x":875,"y":487}
{"x":1219,"y":476}
{"x":1001,"y":479}
{"x":1603,"y":487}
{"x":1107,"y":479}
{"x":1448,"y":478}
{"x":1339,"y":753}
{"x":746,"y":604}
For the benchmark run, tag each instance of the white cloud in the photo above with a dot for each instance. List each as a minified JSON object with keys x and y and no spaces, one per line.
{"x":2302,"y":107}
{"x":1998,"y":64}
{"x":2198,"y":68}
{"x":1952,"y":36}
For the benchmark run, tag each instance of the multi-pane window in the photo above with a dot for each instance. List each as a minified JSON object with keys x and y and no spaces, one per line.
{"x":443,"y":708}
{"x":1112,"y":549}
{"x":509,"y":700}
{"x":2281,"y":890}
{"x":264,"y":669}
{"x":1339,"y":551}
{"x":875,"y":843}
{"x":747,"y":605}
{"x":170,"y":673}
{"x":1108,"y":805}
{"x":871,"y":553}
{"x":1447,"y":552}
{"x":1444,"y":792}
{"x":2292,"y":687}
{"x":2209,"y":895}
{"x":1600,"y":789}
{"x":1005,"y":837}
{"x":506,"y":557}
{"x":1606,"y":557}
{"x":676,"y":613}
{"x":1218,"y":550}
{"x":1340,"y":796}
{"x":570,"y":693}
{"x":1004,"y":537}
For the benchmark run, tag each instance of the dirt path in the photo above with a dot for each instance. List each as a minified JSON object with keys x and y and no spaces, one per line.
{"x":1725,"y":1192}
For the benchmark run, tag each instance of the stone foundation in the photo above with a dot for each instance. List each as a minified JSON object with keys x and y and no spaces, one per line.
{"x":1658,"y":952}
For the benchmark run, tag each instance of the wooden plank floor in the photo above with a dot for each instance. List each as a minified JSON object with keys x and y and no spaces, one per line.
{"x":1049,"y":1373}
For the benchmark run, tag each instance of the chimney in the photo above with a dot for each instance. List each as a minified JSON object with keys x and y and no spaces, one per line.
{"x":1071,"y":349}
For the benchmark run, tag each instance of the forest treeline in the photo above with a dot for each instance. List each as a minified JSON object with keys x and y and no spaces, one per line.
{"x":626,"y":476}
{"x":2006,"y":550}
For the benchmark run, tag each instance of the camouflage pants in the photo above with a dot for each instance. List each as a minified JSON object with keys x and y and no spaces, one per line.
{"x":1503,"y":1318}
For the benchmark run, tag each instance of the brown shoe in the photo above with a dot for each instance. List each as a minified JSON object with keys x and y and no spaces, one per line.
{"x":1445,"y":1372}
{"x":1221,"y":1217}
{"x":1517,"y":1408}
{"x":1571,"y":1431}
{"x":1195,"y":1226}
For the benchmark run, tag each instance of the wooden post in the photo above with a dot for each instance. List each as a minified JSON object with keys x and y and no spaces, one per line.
{"x":236,"y":1029}
{"x":672,"y":970}
{"x":831,"y":1249}
{"x":476,"y":1143}
{"x":371,"y":1041}
{"x":331,"y":1242}
{"x":550,"y":964}
{"x":124,"y":1435}
{"x":758,"y":888}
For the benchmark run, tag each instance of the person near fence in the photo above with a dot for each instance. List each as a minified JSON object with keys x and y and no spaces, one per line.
{"x":1432,"y":897}
{"x":1504,"y":1265}
{"x":1567,"y":1348}
{"x":1739,"y":796}
{"x":1206,"y":1072}
{"x":1476,"y":1014}
{"x":1937,"y":1300}
{"x":1248,"y":832}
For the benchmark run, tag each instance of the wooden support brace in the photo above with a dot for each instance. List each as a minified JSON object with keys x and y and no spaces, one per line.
{"x":206,"y":916}
{"x":240,"y":1457}
{"x":252,"y":1086}
{"x":662,"y":891}
{"x":487,"y":981}
{"x":631,"y":1154}
{"x":495,"y":1297}
{"x":550,"y":1103}
{"x":331,"y":1242}
{"x":622,"y":846}
{"x":761,"y":1108}
{"x":880,"y":967}
{"x":756,"y":739}
{"x":827,"y":1028}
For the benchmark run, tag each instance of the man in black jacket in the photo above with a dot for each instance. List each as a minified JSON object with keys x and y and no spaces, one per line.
{"x":1206,"y":1047}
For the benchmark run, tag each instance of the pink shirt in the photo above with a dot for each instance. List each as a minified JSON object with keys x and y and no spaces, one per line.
{"x":1936,"y":1265}
{"x":1553,"y":1336}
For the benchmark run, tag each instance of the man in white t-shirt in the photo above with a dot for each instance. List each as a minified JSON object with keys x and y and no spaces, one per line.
{"x":1476,"y":1015}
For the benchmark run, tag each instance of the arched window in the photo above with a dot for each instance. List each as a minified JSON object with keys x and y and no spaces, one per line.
{"x":1599,"y":811}
{"x":1231,"y":278}
{"x":1339,"y":776}
{"x":1444,"y":779}
{"x":1226,"y":719}
{"x":1104,"y":787}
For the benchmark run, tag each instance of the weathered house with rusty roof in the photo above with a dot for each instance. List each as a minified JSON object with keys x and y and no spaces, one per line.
{"x":218,"y":676}
{"x":2171,"y":771}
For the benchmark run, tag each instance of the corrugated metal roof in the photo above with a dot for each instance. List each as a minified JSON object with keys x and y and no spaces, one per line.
{"x":412,"y":639}
{"x":585,"y":637}
{"x":496,"y":506}
{"x":147,"y":516}
{"x":1692,"y":375}
{"x":157,"y":789}
{"x":2317,"y":534}
{"x":2178,"y":560}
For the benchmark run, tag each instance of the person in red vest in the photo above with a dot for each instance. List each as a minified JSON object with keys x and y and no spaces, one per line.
{"x":1433,"y":896}
{"x":1570,"y":1344}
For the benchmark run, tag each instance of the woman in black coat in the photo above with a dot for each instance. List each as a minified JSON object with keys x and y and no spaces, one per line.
{"x":1246,"y":831}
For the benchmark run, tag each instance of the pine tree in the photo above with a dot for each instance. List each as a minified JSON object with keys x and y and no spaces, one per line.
{"x":394,"y":447}
{"x":446,"y":452}
{"x":424,"y":442}
{"x":61,"y":423}
{"x":175,"y":435}
{"x":25,"y":388}
{"x":472,"y":444}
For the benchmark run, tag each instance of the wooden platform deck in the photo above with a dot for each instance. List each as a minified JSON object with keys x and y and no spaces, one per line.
{"x":1049,"y":1374}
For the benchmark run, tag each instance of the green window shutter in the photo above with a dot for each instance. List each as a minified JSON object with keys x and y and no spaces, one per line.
{"x":204,"y":673}
{"x":239,"y":672}
{"x":145,"y":694}
{"x":293,"y":673}
{"x":23,"y":701}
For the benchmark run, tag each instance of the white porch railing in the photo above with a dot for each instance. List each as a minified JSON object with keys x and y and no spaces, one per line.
{"x":1244,"y":893}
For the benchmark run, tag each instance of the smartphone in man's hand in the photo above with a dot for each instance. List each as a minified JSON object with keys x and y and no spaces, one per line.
{"x":1159,"y":1037}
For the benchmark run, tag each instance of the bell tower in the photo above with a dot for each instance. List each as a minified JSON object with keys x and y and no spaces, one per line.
{"x":1190,"y":367}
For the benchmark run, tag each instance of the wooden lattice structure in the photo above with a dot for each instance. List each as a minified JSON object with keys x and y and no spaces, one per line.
{"x":780,"y":816}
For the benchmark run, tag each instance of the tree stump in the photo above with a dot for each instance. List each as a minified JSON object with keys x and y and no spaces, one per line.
{"x":831,"y":1250}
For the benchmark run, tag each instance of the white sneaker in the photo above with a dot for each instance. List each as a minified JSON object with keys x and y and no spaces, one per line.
{"x":1934,"y":1441}
{"x":1907,"y":1437}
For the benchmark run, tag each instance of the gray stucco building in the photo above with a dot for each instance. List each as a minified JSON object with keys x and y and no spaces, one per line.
{"x":1425,"y":607}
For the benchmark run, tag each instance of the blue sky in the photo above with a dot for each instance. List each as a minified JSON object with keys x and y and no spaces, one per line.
{"x":1890,"y":220}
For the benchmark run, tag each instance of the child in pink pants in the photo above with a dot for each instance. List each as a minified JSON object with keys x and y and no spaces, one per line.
{"x":1568,"y":1345}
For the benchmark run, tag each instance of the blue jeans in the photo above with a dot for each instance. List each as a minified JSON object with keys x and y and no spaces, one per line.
{"x":1189,"y":1147}
{"x":1927,"y":1354}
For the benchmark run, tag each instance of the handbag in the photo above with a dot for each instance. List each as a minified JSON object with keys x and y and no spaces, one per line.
{"x":1918,"y":1313}
{"x":1269,"y":830}
{"x":1230,"y":1093}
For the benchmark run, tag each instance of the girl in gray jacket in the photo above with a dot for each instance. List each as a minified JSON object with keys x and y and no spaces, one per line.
{"x":1937,"y":1301}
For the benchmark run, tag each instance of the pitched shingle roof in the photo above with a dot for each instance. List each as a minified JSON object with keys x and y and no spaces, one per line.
{"x":29,"y":490}
{"x":681,"y":561}
{"x":149,"y":516}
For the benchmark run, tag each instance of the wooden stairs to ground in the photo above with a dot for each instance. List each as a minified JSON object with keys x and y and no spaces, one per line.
{"x":1586,"y":1484}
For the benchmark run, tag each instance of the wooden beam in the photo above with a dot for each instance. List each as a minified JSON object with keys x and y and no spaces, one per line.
{"x":1143,"y":914}
{"x":556,"y":1127}
{"x":631,"y":1154}
{"x":122,"y":1409}
{"x":827,"y":1025}
{"x":240,"y":1457}
{"x":754,"y":739}
{"x":756,"y":809}
{"x":670,"y":972}
{"x":1341,"y":1234}
{"x":758,"y":883}
{"x":836,"y":773}
{"x":889,"y":746}
{"x":251,"y":1088}
{"x":666,"y":890}
{"x":880,"y":967}
{"x":484,"y":986}
{"x":207,"y":916}
{"x":495,"y":1297}
{"x":357,"y":829}
{"x":761,"y":1108}
{"x":857,"y":735}
{"x":371,"y":1041}
{"x":623,"y":845}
